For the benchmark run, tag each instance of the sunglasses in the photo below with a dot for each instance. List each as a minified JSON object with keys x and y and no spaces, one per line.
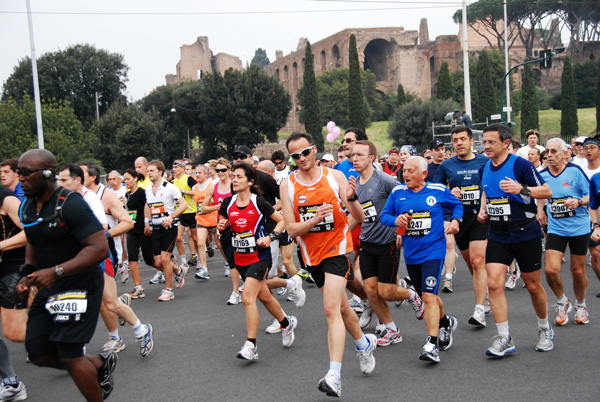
{"x":278,"y":162}
{"x":348,"y":140}
{"x":221,"y":170}
{"x":27,"y":172}
{"x":305,"y":152}
{"x":238,"y":157}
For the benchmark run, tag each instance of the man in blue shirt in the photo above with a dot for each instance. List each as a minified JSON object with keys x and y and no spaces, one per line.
{"x":418,"y":208}
{"x":10,"y":178}
{"x":568,"y":222}
{"x":510,"y":184}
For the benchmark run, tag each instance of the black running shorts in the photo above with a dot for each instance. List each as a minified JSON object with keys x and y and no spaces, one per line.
{"x":470,"y":230}
{"x":163,"y":239}
{"x":577,"y":244}
{"x":379,"y":260}
{"x":339,"y":265}
{"x":527,"y":253}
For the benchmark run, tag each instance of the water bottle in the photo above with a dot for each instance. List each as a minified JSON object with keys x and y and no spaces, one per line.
{"x":400,"y":231}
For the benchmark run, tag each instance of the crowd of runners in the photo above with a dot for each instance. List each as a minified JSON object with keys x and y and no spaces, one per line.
{"x":67,"y":239}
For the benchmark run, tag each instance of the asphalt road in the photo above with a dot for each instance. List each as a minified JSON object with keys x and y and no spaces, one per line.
{"x":197,"y":337}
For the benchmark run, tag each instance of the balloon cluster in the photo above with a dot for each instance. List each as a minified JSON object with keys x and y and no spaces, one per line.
{"x":334,"y":132}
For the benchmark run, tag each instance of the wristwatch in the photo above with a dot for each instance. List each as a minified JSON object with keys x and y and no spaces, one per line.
{"x":355,"y":198}
{"x":459,"y":220}
{"x":274,"y":235}
{"x":59,"y":271}
{"x":525,"y":190}
{"x":580,"y":201}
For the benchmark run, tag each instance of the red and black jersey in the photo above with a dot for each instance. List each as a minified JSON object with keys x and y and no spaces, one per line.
{"x":390,"y":169}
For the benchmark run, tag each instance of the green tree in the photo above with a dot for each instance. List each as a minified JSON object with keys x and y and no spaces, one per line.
{"x":310,"y":112}
{"x":529,"y":102}
{"x":63,"y":133}
{"x":75,"y":75}
{"x":408,"y":123}
{"x":445,"y":88}
{"x":486,"y":99}
{"x":356,"y":104}
{"x":568,"y":116}
{"x":585,"y":76}
{"x":401,"y":97}
{"x":260,"y":58}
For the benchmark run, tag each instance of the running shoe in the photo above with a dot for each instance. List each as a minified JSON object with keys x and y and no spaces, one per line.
{"x":366,"y":357}
{"x":124,"y":272}
{"x":241,"y":287}
{"x":562,"y":313}
{"x":114,"y":345}
{"x":478,"y":318}
{"x":331,"y":384}
{"x":209,"y":251}
{"x":146,"y":342}
{"x":287,"y":334}
{"x":303,"y":273}
{"x":445,"y":334}
{"x":298,"y":294}
{"x":125,"y":299}
{"x":248,"y":352}
{"x":379,"y":326}
{"x":202,"y":273}
{"x":581,"y":315}
{"x":430,"y":352}
{"x":545,"y":338}
{"x":290,"y":298}
{"x":418,"y":306}
{"x":193,"y":260}
{"x":356,"y":305}
{"x":281,"y":291}
{"x":166,"y":295}
{"x":158,"y":277}
{"x":486,"y":305}
{"x":234,"y":299}
{"x":402,"y":283}
{"x":311,"y":281}
{"x":367,"y":315}
{"x":227,"y":270}
{"x":10,"y":393}
{"x":274,"y":328}
{"x":447,"y":288}
{"x":389,"y":336}
{"x":105,"y":377}
{"x":180,"y":276}
{"x":137,"y":293}
{"x":501,"y":347}
{"x":184,"y":265}
{"x":511,"y":279}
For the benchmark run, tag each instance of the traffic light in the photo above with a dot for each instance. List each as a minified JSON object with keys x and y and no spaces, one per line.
{"x":545,"y":59}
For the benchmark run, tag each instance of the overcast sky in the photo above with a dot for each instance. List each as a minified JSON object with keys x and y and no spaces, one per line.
{"x":149,"y":33}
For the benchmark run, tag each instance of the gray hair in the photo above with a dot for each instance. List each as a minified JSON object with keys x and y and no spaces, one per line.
{"x":421,"y":162}
{"x":119,"y":175}
{"x":561,"y":143}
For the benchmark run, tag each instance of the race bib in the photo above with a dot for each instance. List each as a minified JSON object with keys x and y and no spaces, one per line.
{"x":133,"y":214}
{"x":307,"y":212}
{"x":199,"y":208}
{"x":157,"y":209}
{"x":67,"y":306}
{"x":469,"y":195}
{"x":559,"y":210}
{"x":498,"y":209}
{"x":420,"y":224}
{"x":244,"y":243}
{"x":370,"y":211}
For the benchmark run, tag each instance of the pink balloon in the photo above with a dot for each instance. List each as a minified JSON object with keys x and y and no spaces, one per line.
{"x":330,"y":137}
{"x":336,"y":132}
{"x":330,"y":126}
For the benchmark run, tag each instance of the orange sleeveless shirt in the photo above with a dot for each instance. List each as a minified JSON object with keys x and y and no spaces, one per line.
{"x":207,"y":220}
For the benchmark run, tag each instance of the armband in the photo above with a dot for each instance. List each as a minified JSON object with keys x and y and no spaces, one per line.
{"x":146,"y":220}
{"x":595,"y":225}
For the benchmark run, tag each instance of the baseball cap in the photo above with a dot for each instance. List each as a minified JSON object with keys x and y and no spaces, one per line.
{"x":328,"y":157}
{"x":581,"y":139}
{"x":436,"y":142}
{"x":242,"y":150}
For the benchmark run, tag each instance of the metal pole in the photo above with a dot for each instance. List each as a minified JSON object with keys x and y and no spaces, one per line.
{"x":189,"y":147}
{"x":467,"y":87}
{"x":36,"y":86}
{"x":97,"y":109}
{"x":506,"y":62}
{"x":504,"y":79}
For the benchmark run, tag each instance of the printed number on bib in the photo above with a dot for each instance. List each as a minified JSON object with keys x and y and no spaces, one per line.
{"x":370,"y":211}
{"x":244,"y":243}
{"x":420,"y":224}
{"x":469,"y":195}
{"x":133,"y":214}
{"x":199,"y":208}
{"x":157,"y":209}
{"x":308,"y":211}
{"x":68,"y":306}
{"x":559,"y":210}
{"x":498,"y":209}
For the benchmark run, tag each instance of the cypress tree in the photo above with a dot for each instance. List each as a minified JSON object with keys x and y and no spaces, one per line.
{"x":568,"y":102}
{"x":445,"y":88}
{"x":529,"y":103}
{"x":309,"y":115}
{"x":401,"y":99}
{"x":487,"y":101}
{"x":356,"y":103}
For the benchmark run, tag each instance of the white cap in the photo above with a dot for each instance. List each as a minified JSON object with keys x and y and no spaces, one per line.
{"x":328,"y":157}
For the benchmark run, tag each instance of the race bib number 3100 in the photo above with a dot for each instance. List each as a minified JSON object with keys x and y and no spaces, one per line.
{"x":307,"y":212}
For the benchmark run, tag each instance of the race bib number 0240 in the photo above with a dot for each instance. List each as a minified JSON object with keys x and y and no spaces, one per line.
{"x":67,"y":306}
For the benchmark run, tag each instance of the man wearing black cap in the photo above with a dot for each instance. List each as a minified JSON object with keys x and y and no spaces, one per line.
{"x":266,"y":182}
{"x":438,"y":151}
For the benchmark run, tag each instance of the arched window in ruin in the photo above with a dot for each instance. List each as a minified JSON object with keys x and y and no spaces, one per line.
{"x":323,"y":60}
{"x":335,"y":55}
{"x":286,"y":74}
{"x":277,"y":74}
{"x":295,"y":76}
{"x":432,"y":75}
{"x":377,"y":58}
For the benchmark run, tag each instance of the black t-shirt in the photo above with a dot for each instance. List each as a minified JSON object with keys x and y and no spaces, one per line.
{"x":9,"y":229}
{"x":269,"y":187}
{"x":263,"y":206}
{"x":135,"y":207}
{"x":431,"y":171}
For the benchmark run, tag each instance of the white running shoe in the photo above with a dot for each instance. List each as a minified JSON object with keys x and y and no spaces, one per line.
{"x":298,"y":294}
{"x":287,"y":334}
{"x":512,"y":278}
{"x":356,"y":305}
{"x":158,"y":277}
{"x":125,"y":299}
{"x":166,"y":295}
{"x":227,"y":270}
{"x":331,"y":384}
{"x":180,"y":276}
{"x":281,"y":291}
{"x":478,"y":318}
{"x":430,"y":352}
{"x":486,"y":305}
{"x":366,"y":357}
{"x":234,"y":299}
{"x":274,"y":328}
{"x":202,"y":273}
{"x":418,"y":306}
{"x":545,"y":338}
{"x":367,"y":315}
{"x":379,"y":326}
{"x":581,"y":315}
{"x":10,"y":393}
{"x":114,"y":345}
{"x":124,"y":272}
{"x":248,"y":352}
{"x":501,"y":347}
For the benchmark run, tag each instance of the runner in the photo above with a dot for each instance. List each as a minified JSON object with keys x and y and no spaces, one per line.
{"x":185,"y":183}
{"x":10,"y":178}
{"x":205,"y":223}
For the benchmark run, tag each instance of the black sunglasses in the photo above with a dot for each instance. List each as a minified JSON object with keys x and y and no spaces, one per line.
{"x":221,"y":170}
{"x":279,"y":162}
{"x":348,"y":140}
{"x":27,"y":172}
{"x":238,"y":157}
{"x":305,"y":152}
